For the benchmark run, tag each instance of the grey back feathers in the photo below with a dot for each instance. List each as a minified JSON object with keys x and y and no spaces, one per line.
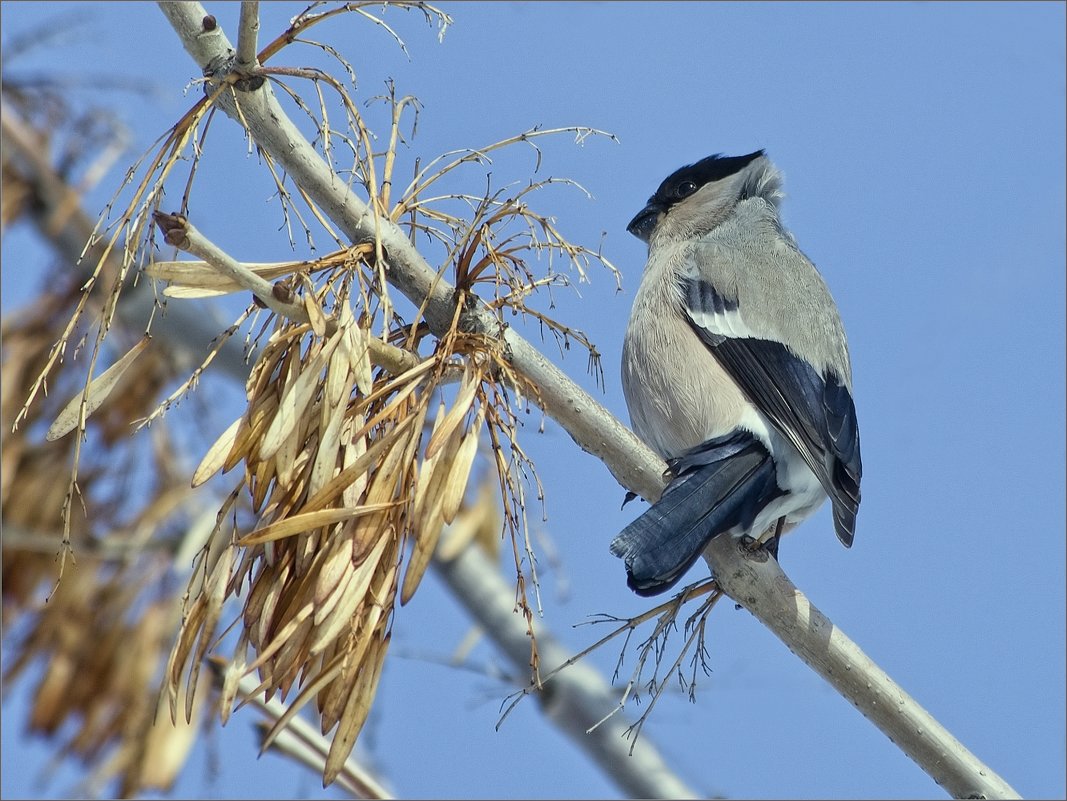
{"x":775,"y":291}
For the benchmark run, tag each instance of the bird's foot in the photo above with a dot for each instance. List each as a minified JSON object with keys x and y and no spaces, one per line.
{"x":752,"y":548}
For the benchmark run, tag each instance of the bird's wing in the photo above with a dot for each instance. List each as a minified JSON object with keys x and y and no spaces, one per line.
{"x":813,"y":411}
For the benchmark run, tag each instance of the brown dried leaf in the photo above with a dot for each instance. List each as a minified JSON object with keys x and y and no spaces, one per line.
{"x":354,"y":594}
{"x":329,"y":599}
{"x":293,"y":654}
{"x":231,"y":678}
{"x":330,"y":444}
{"x":51,"y":699}
{"x":429,"y":532}
{"x":464,"y":398}
{"x":216,"y":455}
{"x":179,"y":656}
{"x":251,"y":433}
{"x":333,"y":566}
{"x":355,"y":448}
{"x":214,"y":595}
{"x":295,"y":400}
{"x":314,"y":310}
{"x":359,"y":467}
{"x":327,"y":454}
{"x":199,"y":275}
{"x":339,"y":377}
{"x":398,"y":459}
{"x":306,"y":521}
{"x":285,"y":457}
{"x":281,"y":640}
{"x":256,"y":601}
{"x":259,"y":614}
{"x":332,"y":702}
{"x":427,"y":516}
{"x":355,"y":714}
{"x":422,"y":485}
{"x":329,"y":672}
{"x":478,"y":522}
{"x":166,"y":747}
{"x":359,"y":357}
{"x":459,"y":475}
{"x":95,"y":394}
{"x":259,"y":482}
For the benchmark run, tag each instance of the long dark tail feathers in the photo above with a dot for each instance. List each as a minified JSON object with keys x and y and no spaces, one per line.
{"x":718,"y":485}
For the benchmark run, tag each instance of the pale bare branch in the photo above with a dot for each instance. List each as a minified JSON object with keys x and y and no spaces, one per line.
{"x":247,"y":35}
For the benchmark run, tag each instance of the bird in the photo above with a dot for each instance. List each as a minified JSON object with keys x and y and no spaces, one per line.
{"x":735,"y":370}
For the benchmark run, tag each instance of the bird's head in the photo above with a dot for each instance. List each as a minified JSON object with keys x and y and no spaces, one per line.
{"x":698,"y":197}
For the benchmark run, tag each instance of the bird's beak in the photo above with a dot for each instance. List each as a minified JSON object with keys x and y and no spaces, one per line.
{"x":641,"y":226}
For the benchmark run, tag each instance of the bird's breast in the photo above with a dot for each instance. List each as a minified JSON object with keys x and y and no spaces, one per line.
{"x":677,"y":394}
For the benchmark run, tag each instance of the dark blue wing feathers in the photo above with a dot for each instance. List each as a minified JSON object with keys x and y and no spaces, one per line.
{"x":814,"y":411}
{"x":718,"y":485}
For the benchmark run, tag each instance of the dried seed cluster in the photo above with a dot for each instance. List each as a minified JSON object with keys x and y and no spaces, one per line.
{"x":347,"y":472}
{"x":359,"y":435}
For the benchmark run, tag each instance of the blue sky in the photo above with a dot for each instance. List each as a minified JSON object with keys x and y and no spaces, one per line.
{"x":923,"y":148}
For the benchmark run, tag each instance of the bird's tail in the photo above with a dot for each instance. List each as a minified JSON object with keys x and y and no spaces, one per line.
{"x":718,"y":485}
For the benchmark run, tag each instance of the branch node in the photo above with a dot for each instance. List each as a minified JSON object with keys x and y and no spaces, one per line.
{"x":249,"y":83}
{"x":173,"y":227}
{"x":282,"y":291}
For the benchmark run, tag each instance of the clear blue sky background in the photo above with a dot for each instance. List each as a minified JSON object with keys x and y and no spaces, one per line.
{"x":924,"y":153}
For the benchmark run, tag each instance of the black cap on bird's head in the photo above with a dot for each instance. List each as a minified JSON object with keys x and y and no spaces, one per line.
{"x":682,"y":183}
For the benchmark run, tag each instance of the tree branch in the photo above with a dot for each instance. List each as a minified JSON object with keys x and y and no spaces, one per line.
{"x":760,"y":585}
{"x":182,"y":234}
{"x":185,"y":236}
{"x":247,"y":35}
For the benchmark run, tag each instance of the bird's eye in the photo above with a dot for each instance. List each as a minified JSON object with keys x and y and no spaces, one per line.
{"x":685,"y":189}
